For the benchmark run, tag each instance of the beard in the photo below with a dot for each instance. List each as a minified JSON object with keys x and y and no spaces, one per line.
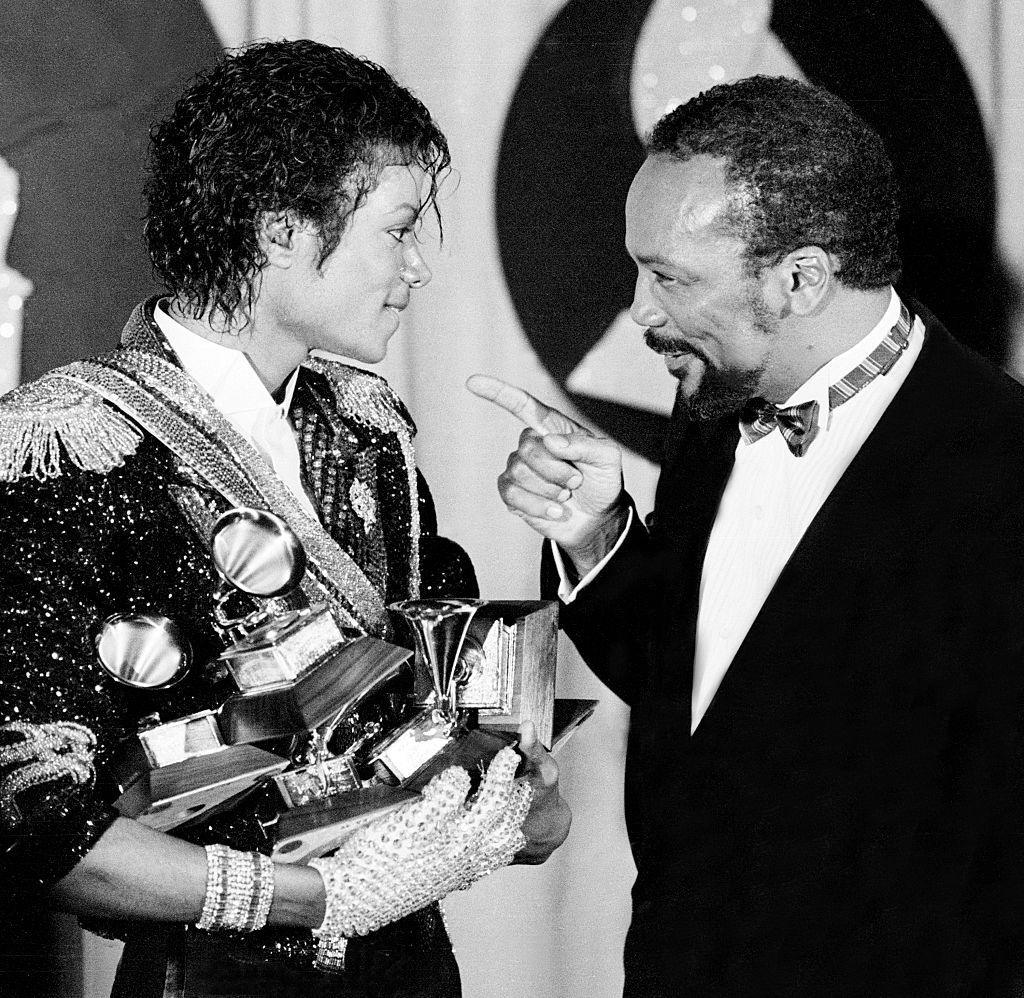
{"x":719,"y":393}
{"x":716,"y":391}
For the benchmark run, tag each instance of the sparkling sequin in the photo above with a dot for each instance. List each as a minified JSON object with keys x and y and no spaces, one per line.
{"x":363,"y":504}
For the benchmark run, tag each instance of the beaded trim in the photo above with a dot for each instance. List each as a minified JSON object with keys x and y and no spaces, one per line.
{"x":49,"y":417}
{"x":45,"y":753}
{"x":370,"y":400}
{"x":330,"y":954}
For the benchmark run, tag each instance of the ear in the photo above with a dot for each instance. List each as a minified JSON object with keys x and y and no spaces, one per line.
{"x":805,"y":279}
{"x":279,"y":238}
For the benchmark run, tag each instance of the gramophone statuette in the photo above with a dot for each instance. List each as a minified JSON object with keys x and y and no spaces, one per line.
{"x":257,"y":554}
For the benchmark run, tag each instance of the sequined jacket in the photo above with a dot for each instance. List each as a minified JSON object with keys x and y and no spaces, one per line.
{"x":111,"y":473}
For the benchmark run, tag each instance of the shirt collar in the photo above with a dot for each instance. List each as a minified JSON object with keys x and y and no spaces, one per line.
{"x":223,"y":372}
{"x":815,"y":388}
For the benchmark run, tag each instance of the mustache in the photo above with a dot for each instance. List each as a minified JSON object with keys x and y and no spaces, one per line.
{"x":665,"y":344}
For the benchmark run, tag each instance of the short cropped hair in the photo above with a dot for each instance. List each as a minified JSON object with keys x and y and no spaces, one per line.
{"x":803,"y":168}
{"x":293,"y":126}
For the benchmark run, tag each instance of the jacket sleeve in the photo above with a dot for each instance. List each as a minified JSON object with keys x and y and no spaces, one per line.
{"x":612,"y":619}
{"x":58,"y":723}
{"x":445,"y":567}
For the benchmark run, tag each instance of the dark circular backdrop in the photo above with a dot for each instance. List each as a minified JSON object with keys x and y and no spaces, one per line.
{"x":569,"y":151}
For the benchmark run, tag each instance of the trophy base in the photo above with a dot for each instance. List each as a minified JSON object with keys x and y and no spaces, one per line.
{"x":412,"y":745}
{"x":472,"y":750}
{"x":170,"y":796}
{"x":313,"y":830}
{"x":323,"y":695}
{"x":568,"y":716}
{"x":282,"y":650}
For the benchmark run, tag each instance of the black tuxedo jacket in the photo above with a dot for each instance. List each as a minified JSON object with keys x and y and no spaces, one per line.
{"x":847,"y":817}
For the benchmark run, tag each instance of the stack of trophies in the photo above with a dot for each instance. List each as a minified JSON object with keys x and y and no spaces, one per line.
{"x":304,"y":709}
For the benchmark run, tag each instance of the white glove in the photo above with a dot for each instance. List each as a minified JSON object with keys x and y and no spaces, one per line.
{"x":425,"y":850}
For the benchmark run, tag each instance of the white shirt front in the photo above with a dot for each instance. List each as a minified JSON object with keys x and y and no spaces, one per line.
{"x":770,"y":499}
{"x":235,"y":388}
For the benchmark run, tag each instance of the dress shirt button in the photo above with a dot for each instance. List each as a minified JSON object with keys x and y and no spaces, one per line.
{"x":759,"y":512}
{"x":724,"y":631}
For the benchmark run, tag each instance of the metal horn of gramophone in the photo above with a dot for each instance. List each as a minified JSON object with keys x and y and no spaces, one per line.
{"x":172,"y":773}
{"x":439,"y":734}
{"x":295,"y":670}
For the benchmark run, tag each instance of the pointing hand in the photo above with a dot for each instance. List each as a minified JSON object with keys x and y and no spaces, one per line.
{"x":563,"y":480}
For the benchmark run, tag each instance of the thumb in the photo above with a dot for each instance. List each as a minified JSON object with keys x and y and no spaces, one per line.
{"x":527,"y":735}
{"x":584,"y":448}
{"x":538,"y":764}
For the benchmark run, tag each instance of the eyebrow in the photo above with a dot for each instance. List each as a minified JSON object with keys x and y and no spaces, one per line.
{"x":656,"y":261}
{"x":407,"y":207}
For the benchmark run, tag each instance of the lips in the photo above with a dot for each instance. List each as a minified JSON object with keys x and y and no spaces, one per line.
{"x":675,"y":352}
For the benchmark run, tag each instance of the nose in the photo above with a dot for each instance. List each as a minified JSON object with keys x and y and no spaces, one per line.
{"x":645,"y":311}
{"x":415,"y":271}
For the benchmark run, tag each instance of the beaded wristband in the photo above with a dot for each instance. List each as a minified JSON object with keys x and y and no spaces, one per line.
{"x":239,"y":890}
{"x":330,"y":953}
{"x":216,"y":887}
{"x":264,"y":894}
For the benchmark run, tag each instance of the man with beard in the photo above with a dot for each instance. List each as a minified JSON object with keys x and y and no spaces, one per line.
{"x":819,"y":634}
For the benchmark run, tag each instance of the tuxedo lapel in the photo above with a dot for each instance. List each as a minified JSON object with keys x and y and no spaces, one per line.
{"x":689,"y":493}
{"x":869,"y":517}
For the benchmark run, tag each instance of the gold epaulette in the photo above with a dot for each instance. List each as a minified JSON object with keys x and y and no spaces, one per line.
{"x":53,"y":419}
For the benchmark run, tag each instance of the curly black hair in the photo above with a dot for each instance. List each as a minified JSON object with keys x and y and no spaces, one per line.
{"x":803,"y":168}
{"x":292,"y":126}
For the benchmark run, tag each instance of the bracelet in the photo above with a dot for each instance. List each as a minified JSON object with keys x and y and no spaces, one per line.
{"x":264,"y":895}
{"x":239,"y":890}
{"x":330,"y":953}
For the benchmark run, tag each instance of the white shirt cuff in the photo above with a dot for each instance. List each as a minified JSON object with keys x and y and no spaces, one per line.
{"x":566,"y":591}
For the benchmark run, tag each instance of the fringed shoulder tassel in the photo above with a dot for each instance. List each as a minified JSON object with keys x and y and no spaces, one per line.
{"x":47,"y":420}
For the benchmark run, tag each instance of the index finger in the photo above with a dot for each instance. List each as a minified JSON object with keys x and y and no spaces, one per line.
{"x":521,"y":404}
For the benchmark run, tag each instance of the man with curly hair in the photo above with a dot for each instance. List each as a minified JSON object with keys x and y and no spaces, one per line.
{"x":284,"y":197}
{"x":819,"y":631}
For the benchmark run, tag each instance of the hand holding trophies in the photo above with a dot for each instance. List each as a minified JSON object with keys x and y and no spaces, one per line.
{"x":480,"y":669}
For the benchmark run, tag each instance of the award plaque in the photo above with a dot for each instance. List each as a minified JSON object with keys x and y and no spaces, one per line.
{"x":507,"y":672}
{"x":175,"y":773}
{"x":514,"y":680}
{"x":350,"y":673}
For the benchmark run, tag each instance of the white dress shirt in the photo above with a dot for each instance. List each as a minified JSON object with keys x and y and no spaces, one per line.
{"x":226,"y":375}
{"x":770,"y":499}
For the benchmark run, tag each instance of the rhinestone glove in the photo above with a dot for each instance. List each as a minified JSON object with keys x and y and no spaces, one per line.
{"x":425,"y":850}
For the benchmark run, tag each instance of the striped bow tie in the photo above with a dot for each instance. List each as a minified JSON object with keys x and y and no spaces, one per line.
{"x":798,"y":424}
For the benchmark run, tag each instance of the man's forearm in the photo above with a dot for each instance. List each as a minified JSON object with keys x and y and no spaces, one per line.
{"x":139,"y":874}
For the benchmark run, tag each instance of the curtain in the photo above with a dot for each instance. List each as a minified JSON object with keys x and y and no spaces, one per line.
{"x":559,"y":328}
